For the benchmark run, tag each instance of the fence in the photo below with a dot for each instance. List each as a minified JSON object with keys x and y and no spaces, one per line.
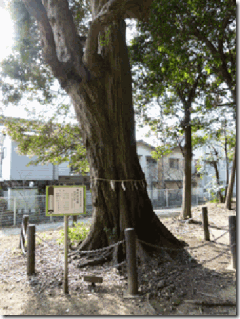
{"x":166,"y":198}
{"x":12,"y":209}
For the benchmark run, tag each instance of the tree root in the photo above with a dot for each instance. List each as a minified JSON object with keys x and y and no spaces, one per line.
{"x":96,"y":261}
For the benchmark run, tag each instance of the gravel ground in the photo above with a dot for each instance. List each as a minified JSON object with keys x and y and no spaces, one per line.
{"x":198,"y":282}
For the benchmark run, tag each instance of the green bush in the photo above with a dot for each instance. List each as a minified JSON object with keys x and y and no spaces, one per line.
{"x":76,"y":233}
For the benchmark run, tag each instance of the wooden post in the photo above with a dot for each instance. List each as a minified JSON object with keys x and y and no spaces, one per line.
{"x":232,"y":240}
{"x":24,"y":229}
{"x":65,"y":281}
{"x":131,"y":261}
{"x":31,"y":250}
{"x":74,"y":219}
{"x":205,"y":223}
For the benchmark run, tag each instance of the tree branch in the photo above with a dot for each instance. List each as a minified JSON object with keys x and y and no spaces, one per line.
{"x":61,"y":46}
{"x":37,"y":10}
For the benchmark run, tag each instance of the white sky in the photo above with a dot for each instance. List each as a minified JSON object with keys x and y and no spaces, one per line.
{"x":6,"y":31}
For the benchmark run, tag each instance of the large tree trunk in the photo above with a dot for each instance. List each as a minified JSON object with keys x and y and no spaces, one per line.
{"x":101,"y":92}
{"x":105,"y":111}
{"x":231,"y":183}
{"x":187,"y":182}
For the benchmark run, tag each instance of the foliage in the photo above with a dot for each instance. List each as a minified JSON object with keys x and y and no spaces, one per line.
{"x":51,"y":143}
{"x":160,"y":151}
{"x":76,"y":233}
{"x":173,"y":48}
{"x":199,"y":26}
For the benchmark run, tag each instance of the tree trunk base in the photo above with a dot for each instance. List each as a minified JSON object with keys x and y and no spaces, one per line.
{"x":164,"y":244}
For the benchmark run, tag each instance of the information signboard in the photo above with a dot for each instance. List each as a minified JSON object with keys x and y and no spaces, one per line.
{"x":65,"y":200}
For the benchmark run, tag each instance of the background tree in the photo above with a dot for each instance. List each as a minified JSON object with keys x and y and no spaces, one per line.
{"x":187,"y":31}
{"x":96,"y":75}
{"x":178,"y":76}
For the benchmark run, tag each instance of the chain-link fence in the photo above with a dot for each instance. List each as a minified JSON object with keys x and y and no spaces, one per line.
{"x":12,"y":209}
{"x":167,"y":198}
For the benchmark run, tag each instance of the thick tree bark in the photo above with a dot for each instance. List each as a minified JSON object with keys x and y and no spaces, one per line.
{"x":187,"y":182}
{"x":105,"y":111}
{"x":101,"y":92}
{"x":231,"y":183}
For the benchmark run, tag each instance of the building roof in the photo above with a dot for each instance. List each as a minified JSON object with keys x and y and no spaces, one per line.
{"x":145,"y":144}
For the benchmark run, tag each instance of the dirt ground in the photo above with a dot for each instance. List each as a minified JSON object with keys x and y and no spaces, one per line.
{"x":198,"y":282}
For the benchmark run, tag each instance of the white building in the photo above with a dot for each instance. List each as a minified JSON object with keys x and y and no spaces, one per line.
{"x":14,"y":165}
{"x":148,"y":164}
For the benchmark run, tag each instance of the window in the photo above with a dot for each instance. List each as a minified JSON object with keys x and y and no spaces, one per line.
{"x":174,"y":163}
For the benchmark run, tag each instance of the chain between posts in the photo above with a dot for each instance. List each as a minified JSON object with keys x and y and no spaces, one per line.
{"x":92,"y":251}
{"x":188,"y":248}
{"x":96,"y":250}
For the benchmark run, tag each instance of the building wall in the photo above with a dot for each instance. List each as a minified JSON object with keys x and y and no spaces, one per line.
{"x":14,"y":166}
{"x":171,"y":177}
{"x":19,"y":170}
{"x":150,"y":170}
{"x":63,"y":169}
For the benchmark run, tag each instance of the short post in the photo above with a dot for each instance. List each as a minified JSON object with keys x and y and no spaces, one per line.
{"x":131,"y":261}
{"x":232,"y":240}
{"x":205,"y":223}
{"x":24,"y":229}
{"x":74,"y":219}
{"x":31,"y":250}
{"x":65,"y":282}
{"x":14,"y":211}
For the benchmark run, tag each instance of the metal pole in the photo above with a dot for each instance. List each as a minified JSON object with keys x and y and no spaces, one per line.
{"x":65,"y":282}
{"x":232,"y":240}
{"x":166,"y":197}
{"x":31,"y":250}
{"x":131,"y":261}
{"x":205,"y":223}
{"x":14,"y":211}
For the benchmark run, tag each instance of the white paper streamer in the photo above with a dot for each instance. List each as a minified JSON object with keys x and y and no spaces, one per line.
{"x":135,"y":183}
{"x":112,"y":185}
{"x":123,"y":187}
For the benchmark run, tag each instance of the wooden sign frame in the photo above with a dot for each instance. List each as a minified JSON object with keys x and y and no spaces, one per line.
{"x":66,"y":200}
